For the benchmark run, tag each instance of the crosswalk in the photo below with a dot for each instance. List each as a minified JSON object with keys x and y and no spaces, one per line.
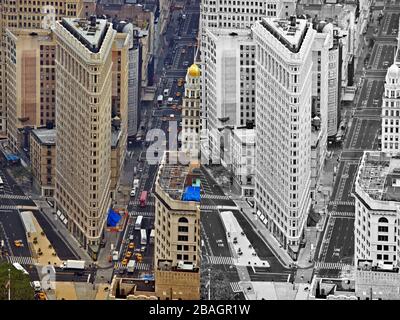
{"x":220,"y":260}
{"x":235,"y":287}
{"x":14,"y":196}
{"x":215,"y":197}
{"x":144,"y":214}
{"x":341,"y":214}
{"x":138,"y":266}
{"x":20,"y":260}
{"x":341,"y":203}
{"x":137,"y":202}
{"x":211,"y":207}
{"x":332,"y":265}
{"x":7,"y":207}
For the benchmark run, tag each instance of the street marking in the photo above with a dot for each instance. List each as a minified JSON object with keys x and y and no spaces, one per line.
{"x":332,"y":265}
{"x":20,"y":260}
{"x":220,"y":260}
{"x":235,"y":287}
{"x":14,"y":196}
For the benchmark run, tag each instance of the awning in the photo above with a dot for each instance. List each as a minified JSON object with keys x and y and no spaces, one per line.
{"x":348,"y":96}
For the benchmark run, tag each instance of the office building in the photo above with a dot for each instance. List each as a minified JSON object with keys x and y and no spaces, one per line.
{"x":283,"y":126}
{"x":391,"y":111}
{"x":177,"y":228}
{"x":119,"y":105}
{"x":84,"y":102}
{"x":27,"y":64}
{"x":191,"y":113}
{"x":43,"y":158}
{"x":243,"y":159}
{"x":227,"y":63}
{"x":377,"y":209}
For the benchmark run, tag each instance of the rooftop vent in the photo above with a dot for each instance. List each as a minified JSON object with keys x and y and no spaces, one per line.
{"x":92,"y":21}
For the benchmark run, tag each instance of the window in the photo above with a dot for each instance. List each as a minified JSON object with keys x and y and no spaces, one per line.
{"x":183,"y":229}
{"x":183,"y":220}
{"x":383,"y":229}
{"x":383,"y":220}
{"x":183,"y":238}
{"x":383,"y":238}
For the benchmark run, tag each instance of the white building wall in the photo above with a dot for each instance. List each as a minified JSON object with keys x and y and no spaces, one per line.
{"x":391,"y":111}
{"x":283,"y":134}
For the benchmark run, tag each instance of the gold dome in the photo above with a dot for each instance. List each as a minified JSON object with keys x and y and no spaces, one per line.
{"x":194,"y":70}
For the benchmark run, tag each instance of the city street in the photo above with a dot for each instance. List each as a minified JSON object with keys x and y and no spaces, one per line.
{"x":337,"y":249}
{"x":176,"y":56}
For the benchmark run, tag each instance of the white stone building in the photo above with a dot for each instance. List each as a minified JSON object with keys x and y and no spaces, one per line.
{"x":229,"y":75}
{"x":391,"y":111}
{"x":283,"y":126}
{"x":227,"y":52}
{"x":377,"y":209}
{"x":191,"y":114}
{"x":243,"y":159}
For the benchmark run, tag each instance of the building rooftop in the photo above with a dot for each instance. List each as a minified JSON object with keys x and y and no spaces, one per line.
{"x":174,"y":177}
{"x":115,"y":135}
{"x":45,"y":136}
{"x":379,"y":176}
{"x":246,"y":136}
{"x":290,"y":32}
{"x":90,"y":32}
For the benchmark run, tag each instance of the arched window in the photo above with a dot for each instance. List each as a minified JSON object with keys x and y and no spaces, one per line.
{"x":383,"y":220}
{"x":183,"y":220}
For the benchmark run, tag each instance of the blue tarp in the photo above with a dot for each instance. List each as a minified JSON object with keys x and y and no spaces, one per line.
{"x":12,"y":157}
{"x":191,"y":194}
{"x":148,"y":277}
{"x":113,"y":218}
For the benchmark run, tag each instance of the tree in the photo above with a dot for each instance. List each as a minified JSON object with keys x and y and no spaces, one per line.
{"x":220,"y":288}
{"x":21,"y":288}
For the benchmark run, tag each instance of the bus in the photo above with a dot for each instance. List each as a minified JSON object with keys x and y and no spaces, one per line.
{"x":20,"y":268}
{"x":138,"y":223}
{"x":143,"y":199}
{"x":143,"y":237}
{"x":152,"y":235}
{"x":1,"y":184}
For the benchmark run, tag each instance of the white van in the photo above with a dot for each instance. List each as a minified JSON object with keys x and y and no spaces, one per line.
{"x":36,"y":286}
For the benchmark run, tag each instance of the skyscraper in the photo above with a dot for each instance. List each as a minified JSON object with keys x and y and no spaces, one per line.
{"x":228,"y":79}
{"x":177,"y":229}
{"x":84,"y":97}
{"x":391,"y":111}
{"x":27,"y":94}
{"x":191,"y":112}
{"x":283,"y":130}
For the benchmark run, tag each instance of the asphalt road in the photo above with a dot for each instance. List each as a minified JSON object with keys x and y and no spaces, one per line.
{"x":338,"y":241}
{"x":171,"y":66}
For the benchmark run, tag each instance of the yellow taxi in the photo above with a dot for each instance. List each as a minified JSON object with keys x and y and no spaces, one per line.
{"x":124,"y":262}
{"x":18,"y":243}
{"x":131,"y":245}
{"x":42,"y":296}
{"x":138,"y":256}
{"x":178,"y":94}
{"x":128,"y":254}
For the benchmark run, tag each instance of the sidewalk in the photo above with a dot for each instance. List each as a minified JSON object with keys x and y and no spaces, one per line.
{"x":60,"y":228}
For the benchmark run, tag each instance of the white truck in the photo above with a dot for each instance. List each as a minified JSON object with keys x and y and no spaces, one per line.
{"x":135,"y":183}
{"x":131,"y":266}
{"x":36,"y":286}
{"x":73,"y":264}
